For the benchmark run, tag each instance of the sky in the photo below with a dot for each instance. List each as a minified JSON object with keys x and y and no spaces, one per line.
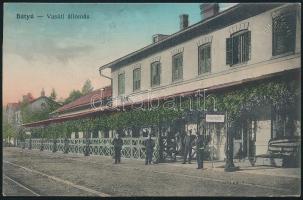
{"x":63,"y":53}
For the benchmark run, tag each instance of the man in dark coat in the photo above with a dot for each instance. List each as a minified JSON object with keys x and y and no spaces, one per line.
{"x":30,"y":143}
{"x":200,"y":150}
{"x":149,"y":144}
{"x":117,"y":142}
{"x":188,"y":147}
{"x":65,"y":145}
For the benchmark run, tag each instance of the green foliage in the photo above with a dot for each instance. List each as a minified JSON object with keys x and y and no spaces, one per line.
{"x":87,"y":87}
{"x":75,"y":94}
{"x":29,"y":115}
{"x":9,"y":131}
{"x":239,"y":103}
{"x":53,"y":95}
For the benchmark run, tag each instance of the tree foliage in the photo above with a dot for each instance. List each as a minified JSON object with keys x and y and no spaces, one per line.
{"x":75,"y":94}
{"x":9,"y":131}
{"x":87,"y":87}
{"x":30,"y":115}
{"x":53,"y":95}
{"x":239,"y":103}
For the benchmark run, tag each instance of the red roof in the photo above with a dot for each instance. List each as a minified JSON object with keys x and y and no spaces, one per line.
{"x":97,"y":112}
{"x":86,"y":100}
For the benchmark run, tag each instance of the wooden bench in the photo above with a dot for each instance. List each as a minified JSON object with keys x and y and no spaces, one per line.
{"x":286,"y":149}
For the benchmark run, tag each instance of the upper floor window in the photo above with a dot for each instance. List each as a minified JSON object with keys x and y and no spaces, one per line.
{"x":43,"y":105}
{"x":155,"y":69}
{"x":137,"y":79}
{"x":284,"y":32}
{"x":238,"y":47}
{"x":121,"y":84}
{"x":177,"y":66}
{"x":204,"y":59}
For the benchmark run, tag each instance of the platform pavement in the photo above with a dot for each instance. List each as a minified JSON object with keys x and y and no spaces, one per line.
{"x":244,"y":165}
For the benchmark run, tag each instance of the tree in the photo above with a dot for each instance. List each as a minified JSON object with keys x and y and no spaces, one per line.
{"x":29,"y":115}
{"x":9,"y":131}
{"x":53,"y":94}
{"x":87,"y":87}
{"x":75,"y":94}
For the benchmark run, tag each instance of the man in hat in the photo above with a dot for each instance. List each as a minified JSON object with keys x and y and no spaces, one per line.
{"x":188,"y":147}
{"x":149,"y":144}
{"x":117,"y":142}
{"x":200,"y":150}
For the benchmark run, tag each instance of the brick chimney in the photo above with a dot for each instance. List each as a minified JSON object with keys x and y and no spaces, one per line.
{"x":159,"y":37}
{"x":183,"y":21}
{"x":42,"y":93}
{"x":209,"y":10}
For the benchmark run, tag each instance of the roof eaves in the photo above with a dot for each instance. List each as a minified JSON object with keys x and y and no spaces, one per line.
{"x":169,"y":37}
{"x":151,"y":49}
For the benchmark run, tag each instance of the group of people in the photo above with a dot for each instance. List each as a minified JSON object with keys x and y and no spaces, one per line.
{"x":188,"y":144}
{"x":149,"y":145}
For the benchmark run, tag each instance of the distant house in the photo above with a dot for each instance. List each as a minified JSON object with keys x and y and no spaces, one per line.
{"x":12,"y":112}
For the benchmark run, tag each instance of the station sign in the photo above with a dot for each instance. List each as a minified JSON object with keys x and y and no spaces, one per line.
{"x":214,"y":118}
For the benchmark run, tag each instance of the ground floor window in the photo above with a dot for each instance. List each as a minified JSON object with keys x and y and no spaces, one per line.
{"x":284,"y":126}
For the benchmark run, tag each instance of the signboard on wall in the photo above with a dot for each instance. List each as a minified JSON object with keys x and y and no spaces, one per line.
{"x":214,"y":118}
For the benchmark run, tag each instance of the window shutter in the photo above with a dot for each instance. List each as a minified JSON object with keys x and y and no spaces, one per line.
{"x":123,"y":83}
{"x":159,"y":73}
{"x":134,"y":79}
{"x":228,"y":51}
{"x":199,"y":60}
{"x":247,"y":46}
{"x":138,"y":78}
{"x":202,"y":60}
{"x":151,"y":74}
{"x":119,"y":84}
{"x":208,"y":59}
{"x":181,"y":67}
{"x":174,"y":68}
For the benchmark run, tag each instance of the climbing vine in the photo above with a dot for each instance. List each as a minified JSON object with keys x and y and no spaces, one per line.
{"x":281,"y":95}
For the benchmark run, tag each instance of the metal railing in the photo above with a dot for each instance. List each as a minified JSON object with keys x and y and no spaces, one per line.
{"x":132,"y":147}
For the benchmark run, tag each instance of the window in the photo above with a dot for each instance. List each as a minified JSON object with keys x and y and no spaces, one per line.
{"x":43,"y":105}
{"x":204,"y":59}
{"x":155,"y":69}
{"x":121,"y":84}
{"x":136,"y":79}
{"x":177,"y":67}
{"x":284,"y":32}
{"x":238,"y":48}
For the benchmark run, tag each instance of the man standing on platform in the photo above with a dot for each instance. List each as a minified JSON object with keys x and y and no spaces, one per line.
{"x":200,"y":150}
{"x":188,"y":147}
{"x":117,"y":142}
{"x":149,"y":144}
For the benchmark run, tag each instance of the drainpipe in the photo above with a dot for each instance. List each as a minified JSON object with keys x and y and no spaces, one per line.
{"x":111,"y":80}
